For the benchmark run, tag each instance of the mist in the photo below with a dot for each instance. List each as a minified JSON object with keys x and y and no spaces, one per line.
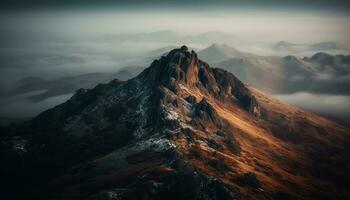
{"x":51,"y":44}
{"x":107,"y":40}
{"x":334,"y":106}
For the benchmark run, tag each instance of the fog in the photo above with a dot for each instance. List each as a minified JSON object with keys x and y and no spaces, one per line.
{"x":57,"y":43}
{"x":21,"y":107}
{"x":334,"y":106}
{"x":108,"y":40}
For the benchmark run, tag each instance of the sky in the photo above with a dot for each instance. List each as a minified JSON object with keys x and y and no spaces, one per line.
{"x":51,"y":39}
{"x":308,"y":4}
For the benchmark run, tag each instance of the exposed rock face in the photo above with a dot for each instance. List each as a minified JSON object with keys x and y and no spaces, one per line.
{"x":179,"y":130}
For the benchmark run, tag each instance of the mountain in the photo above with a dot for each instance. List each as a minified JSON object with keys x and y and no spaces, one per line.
{"x":320,"y":73}
{"x":179,"y":130}
{"x":221,"y":52}
{"x":324,"y":46}
{"x":263,"y":72}
{"x":128,"y":72}
{"x":68,"y":84}
{"x":294,"y":48}
{"x":335,"y":65}
{"x":272,"y":74}
{"x":284,"y":46}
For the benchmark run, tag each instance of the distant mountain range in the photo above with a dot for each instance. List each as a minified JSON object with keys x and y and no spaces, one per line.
{"x":178,"y":130}
{"x":293,"y":47}
{"x":221,"y":52}
{"x":321,"y":73}
{"x":69,"y":84}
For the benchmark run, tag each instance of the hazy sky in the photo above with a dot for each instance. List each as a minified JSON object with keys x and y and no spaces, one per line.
{"x":305,"y":4}
{"x":32,"y":31}
{"x":253,"y":25}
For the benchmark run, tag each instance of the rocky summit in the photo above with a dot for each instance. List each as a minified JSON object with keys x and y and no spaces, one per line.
{"x":179,"y":130}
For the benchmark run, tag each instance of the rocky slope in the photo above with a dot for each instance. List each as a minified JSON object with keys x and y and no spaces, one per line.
{"x":179,"y":130}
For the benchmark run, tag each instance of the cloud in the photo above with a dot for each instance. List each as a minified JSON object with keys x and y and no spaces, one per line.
{"x":330,"y":105}
{"x":21,"y":107}
{"x":324,"y":76}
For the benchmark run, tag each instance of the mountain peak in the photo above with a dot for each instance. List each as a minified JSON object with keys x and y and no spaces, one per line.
{"x":283,"y":42}
{"x":183,"y":68}
{"x":283,"y":45}
{"x":220,"y":52}
{"x":320,"y":55}
{"x":178,"y":65}
{"x":220,"y":46}
{"x":290,"y":58}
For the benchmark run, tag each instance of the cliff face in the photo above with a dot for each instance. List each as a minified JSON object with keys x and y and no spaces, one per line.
{"x":179,"y":130}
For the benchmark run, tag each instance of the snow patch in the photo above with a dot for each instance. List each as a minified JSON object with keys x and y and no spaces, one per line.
{"x":114,"y":194}
{"x":18,"y":144}
{"x":156,"y":144}
{"x":172,"y":115}
{"x":169,"y":113}
{"x":142,"y":90}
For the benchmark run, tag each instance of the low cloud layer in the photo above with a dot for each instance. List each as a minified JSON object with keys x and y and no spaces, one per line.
{"x":22,"y":107}
{"x":330,"y":105}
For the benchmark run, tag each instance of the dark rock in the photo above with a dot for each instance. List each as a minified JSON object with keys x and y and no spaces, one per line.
{"x":191,"y":99}
{"x":220,"y":133}
{"x":204,"y":108}
{"x":190,"y":136}
{"x":280,"y":195}
{"x":249,"y":179}
{"x":232,"y":144}
{"x":198,"y":186}
{"x":184,"y":48}
{"x":213,"y":144}
{"x":204,"y":113}
{"x":219,"y":165}
{"x":231,"y":86}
